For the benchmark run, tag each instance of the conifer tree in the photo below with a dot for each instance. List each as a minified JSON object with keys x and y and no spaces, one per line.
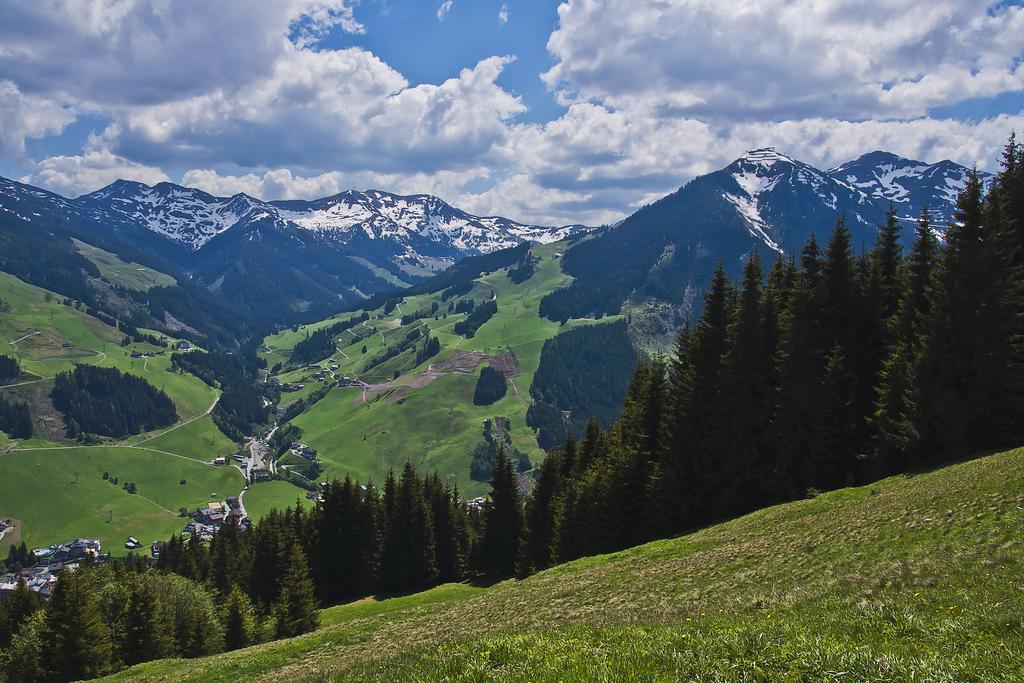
{"x":20,"y":606}
{"x":141,"y":641}
{"x":408,"y":560}
{"x":78,"y":641}
{"x":691,"y":395}
{"x":833,"y":463}
{"x":503,"y":519}
{"x":239,"y":620}
{"x":961,"y":374}
{"x":736,"y":462}
{"x":540,"y":522}
{"x":296,"y":608}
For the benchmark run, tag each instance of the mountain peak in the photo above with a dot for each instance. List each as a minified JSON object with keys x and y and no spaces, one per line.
{"x":765,"y":156}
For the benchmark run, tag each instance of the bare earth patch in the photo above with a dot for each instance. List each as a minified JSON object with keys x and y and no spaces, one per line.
{"x":461,"y":362}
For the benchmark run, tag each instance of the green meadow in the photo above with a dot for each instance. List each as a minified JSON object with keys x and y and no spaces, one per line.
{"x":434,"y":425}
{"x":265,"y":496}
{"x":124,"y":273}
{"x":914,"y":578}
{"x":61,"y":494}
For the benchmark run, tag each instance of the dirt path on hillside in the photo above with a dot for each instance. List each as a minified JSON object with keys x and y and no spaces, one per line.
{"x":460,"y":362}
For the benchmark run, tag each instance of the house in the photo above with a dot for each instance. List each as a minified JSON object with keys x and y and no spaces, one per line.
{"x":157,"y":548}
{"x":132,"y":543}
{"x":234,"y":503}
{"x":182,"y":345}
{"x":220,"y":461}
{"x":260,"y":475}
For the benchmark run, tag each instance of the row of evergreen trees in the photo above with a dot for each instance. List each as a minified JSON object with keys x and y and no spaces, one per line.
{"x":15,"y":419}
{"x":414,"y":533}
{"x":836,"y":369}
{"x":100,"y":619}
{"x":9,"y":368}
{"x":107,"y":401}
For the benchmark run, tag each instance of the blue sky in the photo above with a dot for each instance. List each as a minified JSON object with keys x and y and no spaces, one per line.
{"x":544,"y":111}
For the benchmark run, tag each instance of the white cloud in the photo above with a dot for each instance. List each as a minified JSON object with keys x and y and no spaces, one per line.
{"x":657,"y":93}
{"x":776,"y":59}
{"x":111,"y":52}
{"x":27,"y":116}
{"x":283,"y":184}
{"x":503,"y":14}
{"x":332,"y":109}
{"x":443,"y":10}
{"x":75,"y":175}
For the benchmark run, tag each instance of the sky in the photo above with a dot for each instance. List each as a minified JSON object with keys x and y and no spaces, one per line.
{"x":542,"y":111}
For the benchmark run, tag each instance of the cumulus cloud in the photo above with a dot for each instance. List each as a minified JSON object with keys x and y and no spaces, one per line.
{"x":283,"y":184}
{"x":443,"y":10}
{"x":27,"y":116}
{"x":655,"y":93}
{"x":503,"y":14}
{"x":340,"y":109}
{"x":75,"y":175}
{"x":148,"y":51}
{"x":776,"y":59}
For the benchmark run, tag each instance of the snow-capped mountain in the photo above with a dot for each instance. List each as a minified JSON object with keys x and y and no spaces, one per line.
{"x":182,"y":214}
{"x":764,"y":201}
{"x":910,"y":185}
{"x":419,"y":233}
{"x":780,"y":198}
{"x":430,"y":232}
{"x":777,"y":195}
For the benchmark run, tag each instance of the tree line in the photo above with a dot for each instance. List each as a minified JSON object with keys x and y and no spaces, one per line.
{"x":106,"y":401}
{"x":319,"y":345}
{"x":9,"y":368}
{"x":103,"y":618}
{"x":413,"y":533}
{"x":836,"y":369}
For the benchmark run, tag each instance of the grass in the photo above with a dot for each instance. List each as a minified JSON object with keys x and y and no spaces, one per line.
{"x":52,"y":338}
{"x":124,"y":273}
{"x":910,"y":579}
{"x":263,"y":497}
{"x":199,"y":439}
{"x":61,"y":494}
{"x":36,"y":485}
{"x":435,"y":427}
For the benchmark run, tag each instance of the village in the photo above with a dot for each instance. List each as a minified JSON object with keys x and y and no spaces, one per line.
{"x":39,"y":569}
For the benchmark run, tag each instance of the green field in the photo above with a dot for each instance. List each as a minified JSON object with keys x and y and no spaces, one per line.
{"x":914,"y":578}
{"x":36,"y":485}
{"x":123,"y":273}
{"x":263,"y":497}
{"x":199,"y":439}
{"x":435,"y":426}
{"x":61,"y":494}
{"x":50,"y":338}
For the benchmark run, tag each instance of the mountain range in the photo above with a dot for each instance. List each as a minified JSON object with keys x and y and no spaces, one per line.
{"x":289,"y":261}
{"x":655,"y":264}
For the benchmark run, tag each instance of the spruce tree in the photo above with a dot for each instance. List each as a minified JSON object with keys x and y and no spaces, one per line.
{"x":833,"y":464}
{"x":537,"y":551}
{"x":296,"y":608}
{"x":78,"y":641}
{"x":677,"y":495}
{"x":736,"y":460}
{"x":239,"y":620}
{"x":21,"y":605}
{"x":141,"y":640}
{"x":503,"y":519}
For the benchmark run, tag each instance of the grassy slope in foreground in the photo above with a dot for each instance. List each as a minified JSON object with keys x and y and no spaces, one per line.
{"x":911,"y":578}
{"x":437,"y":426}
